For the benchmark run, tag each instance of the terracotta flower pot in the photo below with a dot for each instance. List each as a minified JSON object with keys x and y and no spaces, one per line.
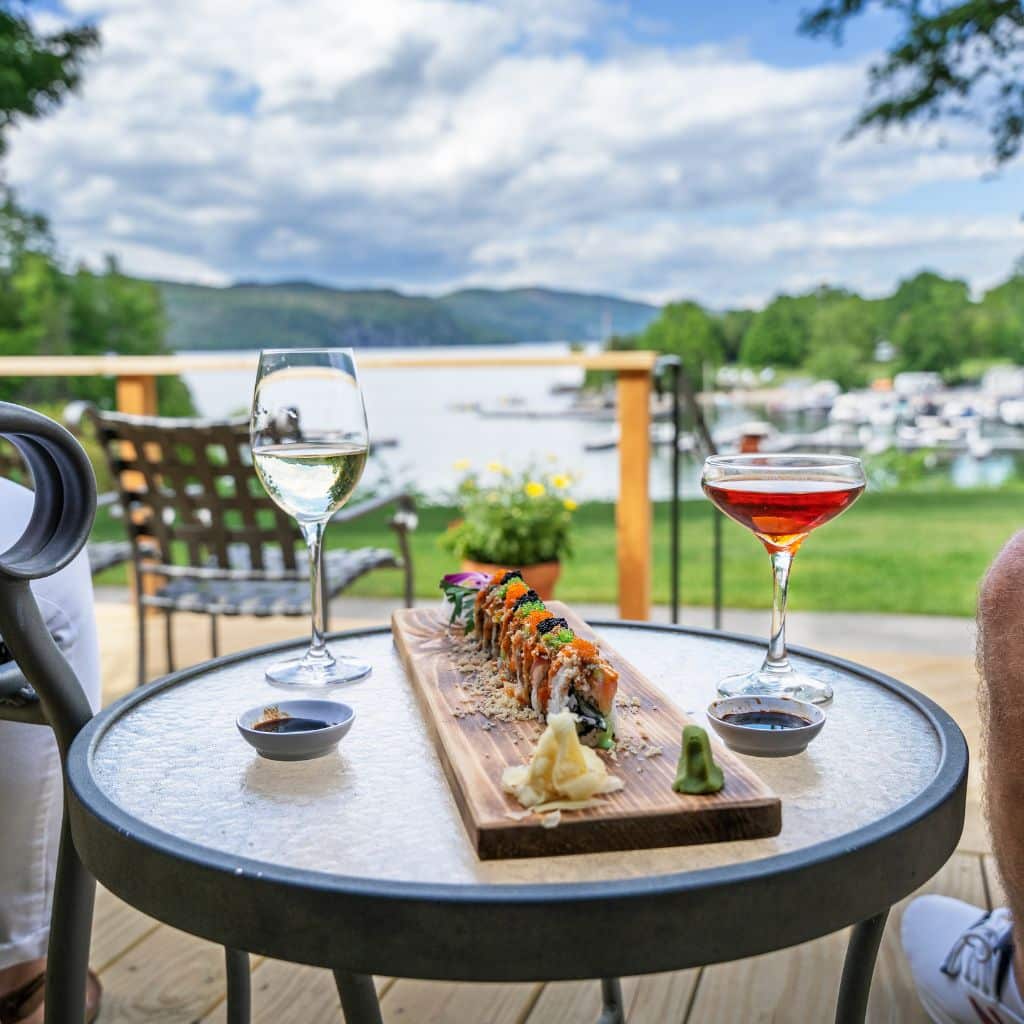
{"x":542,"y":577}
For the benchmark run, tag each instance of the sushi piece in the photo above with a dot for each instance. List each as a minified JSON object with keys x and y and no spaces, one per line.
{"x":500,"y":612}
{"x":580,"y":680}
{"x":490,"y":605}
{"x":515,"y":615}
{"x":523,"y":655}
{"x":510,"y":640}
{"x":537,"y":661}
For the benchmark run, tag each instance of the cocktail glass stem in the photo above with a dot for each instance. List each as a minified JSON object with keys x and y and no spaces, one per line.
{"x":318,"y":656}
{"x":776,"y":677}
{"x":777,"y":660}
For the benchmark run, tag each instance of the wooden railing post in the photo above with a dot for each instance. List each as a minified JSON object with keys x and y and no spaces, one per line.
{"x":633,"y":511}
{"x":137,"y":395}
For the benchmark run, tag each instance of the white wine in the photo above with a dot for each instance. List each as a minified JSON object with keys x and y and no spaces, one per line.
{"x":310,"y":480}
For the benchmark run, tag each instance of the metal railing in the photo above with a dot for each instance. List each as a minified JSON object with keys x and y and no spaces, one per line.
{"x":671,"y":378}
{"x":136,"y":394}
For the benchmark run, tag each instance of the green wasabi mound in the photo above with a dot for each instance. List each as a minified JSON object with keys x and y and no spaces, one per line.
{"x":697,"y":772}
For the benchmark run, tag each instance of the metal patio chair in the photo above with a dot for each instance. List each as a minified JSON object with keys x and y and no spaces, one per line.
{"x":38,"y":686}
{"x":206,"y":538}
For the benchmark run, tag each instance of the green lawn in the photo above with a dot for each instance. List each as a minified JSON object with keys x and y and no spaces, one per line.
{"x":921,"y":552}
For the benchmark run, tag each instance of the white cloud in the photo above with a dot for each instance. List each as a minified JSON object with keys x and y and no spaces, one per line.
{"x":427,"y":143}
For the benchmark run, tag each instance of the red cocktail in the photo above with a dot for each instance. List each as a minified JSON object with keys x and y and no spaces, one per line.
{"x":781,"y":499}
{"x":782,"y":512}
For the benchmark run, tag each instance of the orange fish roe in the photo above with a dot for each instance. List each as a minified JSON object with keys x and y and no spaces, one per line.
{"x":584,"y":648}
{"x":497,"y":577}
{"x":514,"y":592}
{"x":534,"y":619}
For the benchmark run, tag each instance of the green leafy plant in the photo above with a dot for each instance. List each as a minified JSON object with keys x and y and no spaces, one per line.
{"x":509,"y":518}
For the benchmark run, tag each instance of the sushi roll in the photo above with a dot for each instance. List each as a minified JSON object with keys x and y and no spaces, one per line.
{"x":544,"y":664}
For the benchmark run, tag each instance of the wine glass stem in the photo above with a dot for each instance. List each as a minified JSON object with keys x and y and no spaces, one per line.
{"x":777,"y":660}
{"x":314,"y":534}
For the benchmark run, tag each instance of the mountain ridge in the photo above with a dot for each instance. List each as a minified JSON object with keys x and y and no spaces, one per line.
{"x":249,"y":314}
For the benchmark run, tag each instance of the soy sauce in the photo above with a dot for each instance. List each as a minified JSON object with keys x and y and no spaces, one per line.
{"x":290,"y":725}
{"x":770,"y":721}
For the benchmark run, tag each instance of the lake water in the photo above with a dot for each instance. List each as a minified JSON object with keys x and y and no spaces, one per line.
{"x":423,"y":409}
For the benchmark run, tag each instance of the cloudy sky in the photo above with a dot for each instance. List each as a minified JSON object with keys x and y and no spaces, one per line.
{"x":652,"y":148}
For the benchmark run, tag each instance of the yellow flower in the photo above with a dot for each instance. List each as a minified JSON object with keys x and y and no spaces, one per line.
{"x":496,"y":467}
{"x":561,"y":480}
{"x":535,"y":489}
{"x":461,"y":464}
{"x":570,"y":505}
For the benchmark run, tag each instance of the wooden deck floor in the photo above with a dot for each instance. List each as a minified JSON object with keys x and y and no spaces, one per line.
{"x":153,"y":973}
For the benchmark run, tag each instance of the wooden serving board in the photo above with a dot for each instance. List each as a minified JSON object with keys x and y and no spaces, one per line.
{"x":474,"y":751}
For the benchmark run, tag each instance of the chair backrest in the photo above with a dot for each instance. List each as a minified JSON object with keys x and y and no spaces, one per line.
{"x":62,"y":516}
{"x":190,"y":487}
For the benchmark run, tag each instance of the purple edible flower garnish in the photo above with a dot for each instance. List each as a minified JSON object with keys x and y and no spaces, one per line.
{"x":461,"y":590}
{"x":469,"y":580}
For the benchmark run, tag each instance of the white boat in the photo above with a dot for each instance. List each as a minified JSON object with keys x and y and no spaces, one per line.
{"x":1011,"y":412}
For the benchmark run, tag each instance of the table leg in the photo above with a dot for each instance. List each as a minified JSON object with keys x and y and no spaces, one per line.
{"x":612,"y":1012}
{"x":858,"y":968}
{"x":239,"y":1002}
{"x":358,"y":998}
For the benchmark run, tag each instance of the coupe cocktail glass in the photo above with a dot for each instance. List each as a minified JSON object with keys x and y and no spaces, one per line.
{"x":781,"y":499}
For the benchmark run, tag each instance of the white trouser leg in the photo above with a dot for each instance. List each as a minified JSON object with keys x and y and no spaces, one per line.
{"x":30,"y":776}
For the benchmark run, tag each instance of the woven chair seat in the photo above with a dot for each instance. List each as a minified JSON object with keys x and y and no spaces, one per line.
{"x":15,"y":692}
{"x":268,"y":596}
{"x":105,"y":554}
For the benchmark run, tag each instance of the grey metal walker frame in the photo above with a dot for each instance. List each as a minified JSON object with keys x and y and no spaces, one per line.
{"x":40,"y":687}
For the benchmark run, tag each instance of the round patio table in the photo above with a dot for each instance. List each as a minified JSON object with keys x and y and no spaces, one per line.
{"x":359,"y":861}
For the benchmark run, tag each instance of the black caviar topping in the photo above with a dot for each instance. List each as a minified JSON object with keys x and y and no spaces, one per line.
{"x":530,"y":595}
{"x":549,"y":624}
{"x":515,"y":574}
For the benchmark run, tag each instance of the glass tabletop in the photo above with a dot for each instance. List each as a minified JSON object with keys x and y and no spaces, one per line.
{"x":381,"y":808}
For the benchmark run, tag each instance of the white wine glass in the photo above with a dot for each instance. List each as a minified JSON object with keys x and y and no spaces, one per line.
{"x":309,"y":445}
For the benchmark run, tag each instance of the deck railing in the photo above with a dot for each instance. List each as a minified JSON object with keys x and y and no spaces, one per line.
{"x":136,"y":393}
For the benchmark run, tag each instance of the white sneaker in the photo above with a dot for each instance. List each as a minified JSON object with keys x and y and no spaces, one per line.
{"x":961,"y":958}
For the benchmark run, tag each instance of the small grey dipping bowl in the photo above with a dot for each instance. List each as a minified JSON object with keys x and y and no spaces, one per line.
{"x":298,"y":746}
{"x":766,"y":742}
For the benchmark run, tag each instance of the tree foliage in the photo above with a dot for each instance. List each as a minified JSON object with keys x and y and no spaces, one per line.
{"x":832,"y":333}
{"x":951,"y":58}
{"x":843,"y":337}
{"x":687,"y":330}
{"x":43,"y":310}
{"x":998,"y":320}
{"x":930,"y":322}
{"x":37,"y":70}
{"x":778,"y":336}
